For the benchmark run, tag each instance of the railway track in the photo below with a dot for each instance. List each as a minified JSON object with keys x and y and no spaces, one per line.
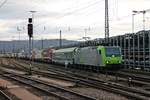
{"x":138,"y":72}
{"x":134,"y":76}
{"x":59,"y":92}
{"x":4,"y":96}
{"x":98,"y":83}
{"x":90,"y":81}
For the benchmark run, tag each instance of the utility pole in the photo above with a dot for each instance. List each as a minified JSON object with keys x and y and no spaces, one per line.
{"x":85,"y":35}
{"x":13,"y":45}
{"x":42,"y":40}
{"x":144,"y":19}
{"x":143,"y":12}
{"x":60,"y":39}
{"x":19,"y":31}
{"x":106,"y":22}
{"x":133,"y":14}
{"x":133,"y":22}
{"x":42,"y":43}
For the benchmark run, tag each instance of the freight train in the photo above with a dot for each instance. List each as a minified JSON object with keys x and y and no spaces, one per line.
{"x":91,"y":57}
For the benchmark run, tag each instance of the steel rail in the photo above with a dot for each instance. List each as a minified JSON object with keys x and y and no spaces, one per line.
{"x":112,"y":87}
{"x":62,"y":93}
{"x":4,"y":96}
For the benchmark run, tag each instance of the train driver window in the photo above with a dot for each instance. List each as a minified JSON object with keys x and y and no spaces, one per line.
{"x":99,"y":51}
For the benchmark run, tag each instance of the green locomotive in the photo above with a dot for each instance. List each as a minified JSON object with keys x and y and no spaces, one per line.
{"x":95,"y":57}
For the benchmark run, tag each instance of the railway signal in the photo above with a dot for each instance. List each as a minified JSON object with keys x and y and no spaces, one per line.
{"x":30,"y":30}
{"x":30,"y":34}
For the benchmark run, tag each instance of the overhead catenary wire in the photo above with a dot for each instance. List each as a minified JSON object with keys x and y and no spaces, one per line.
{"x":82,"y":4}
{"x":79,"y":6}
{"x":98,"y":22}
{"x":90,"y":4}
{"x":74,"y":11}
{"x":83,"y":8}
{"x":2,"y":4}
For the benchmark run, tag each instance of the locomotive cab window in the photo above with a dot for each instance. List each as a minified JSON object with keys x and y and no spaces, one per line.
{"x":99,"y":51}
{"x":112,"y":51}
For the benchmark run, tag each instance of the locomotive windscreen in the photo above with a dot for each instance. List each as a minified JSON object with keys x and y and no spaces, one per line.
{"x":112,"y":51}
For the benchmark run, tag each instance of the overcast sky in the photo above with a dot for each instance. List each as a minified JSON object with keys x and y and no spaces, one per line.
{"x":73,"y":17}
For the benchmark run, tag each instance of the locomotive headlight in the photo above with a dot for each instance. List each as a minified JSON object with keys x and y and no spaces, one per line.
{"x":119,"y":61}
{"x":113,"y":55}
{"x":107,"y":62}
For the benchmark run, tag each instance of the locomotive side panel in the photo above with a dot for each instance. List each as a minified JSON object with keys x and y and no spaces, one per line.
{"x":88,"y":56}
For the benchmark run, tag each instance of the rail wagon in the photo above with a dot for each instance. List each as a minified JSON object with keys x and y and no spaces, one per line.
{"x":100,"y":57}
{"x":47,"y":54}
{"x":62,"y":55}
{"x":36,"y":54}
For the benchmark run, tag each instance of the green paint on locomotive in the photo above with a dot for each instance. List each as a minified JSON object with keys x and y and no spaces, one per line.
{"x":110,"y":55}
{"x":102,"y":53}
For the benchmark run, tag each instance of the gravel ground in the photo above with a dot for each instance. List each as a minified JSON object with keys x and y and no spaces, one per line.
{"x":21,"y":92}
{"x":43,"y":96}
{"x":13,"y":71}
{"x":54,"y":81}
{"x":99,"y":94}
{"x":18,"y":91}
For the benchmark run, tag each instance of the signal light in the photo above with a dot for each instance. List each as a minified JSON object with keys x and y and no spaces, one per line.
{"x":30,"y":30}
{"x":30,"y":20}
